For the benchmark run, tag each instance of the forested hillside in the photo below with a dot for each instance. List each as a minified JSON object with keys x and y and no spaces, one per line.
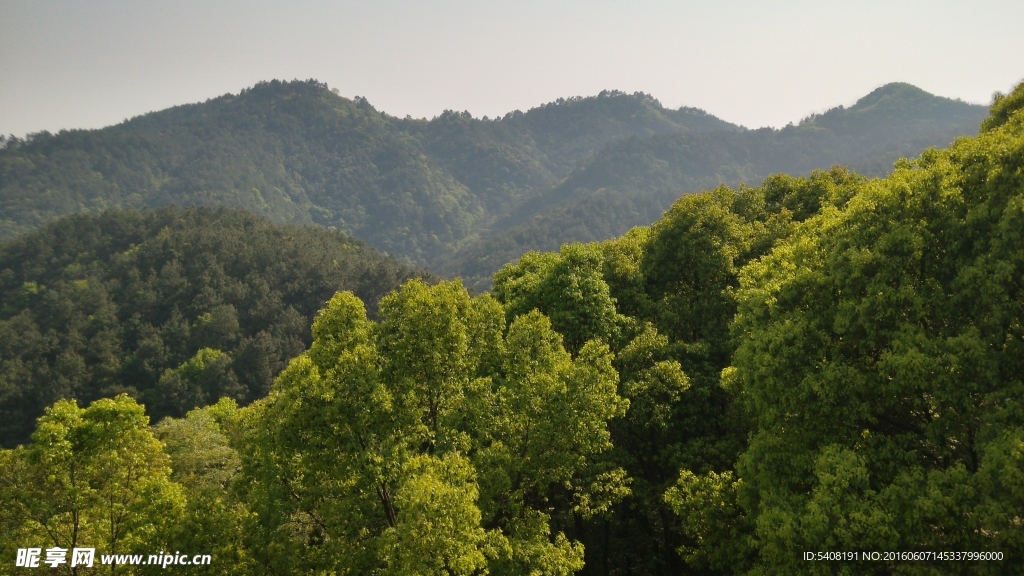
{"x":176,"y":307}
{"x":632,"y":181}
{"x":828,"y":363}
{"x":423,"y":190}
{"x":296,"y":152}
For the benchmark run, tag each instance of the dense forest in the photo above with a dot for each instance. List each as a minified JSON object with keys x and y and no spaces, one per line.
{"x":175,"y":307}
{"x":298,"y":153}
{"x":632,"y":181}
{"x":454,"y":193}
{"x":820,"y":363}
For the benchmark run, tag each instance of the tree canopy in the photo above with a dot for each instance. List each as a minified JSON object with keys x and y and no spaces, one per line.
{"x":879,"y":357}
{"x":436,"y":441}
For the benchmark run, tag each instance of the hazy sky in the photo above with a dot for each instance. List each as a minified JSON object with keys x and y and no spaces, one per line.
{"x":88,"y":64}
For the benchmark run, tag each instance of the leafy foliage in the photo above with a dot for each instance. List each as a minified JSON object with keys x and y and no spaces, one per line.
{"x":668,"y":420}
{"x":819,"y":467}
{"x":567,"y":287}
{"x":878,"y":355}
{"x":93,"y":477}
{"x":206,"y":465}
{"x":430,"y":443}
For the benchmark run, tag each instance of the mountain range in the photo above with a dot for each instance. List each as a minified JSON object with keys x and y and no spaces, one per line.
{"x":458,"y":194}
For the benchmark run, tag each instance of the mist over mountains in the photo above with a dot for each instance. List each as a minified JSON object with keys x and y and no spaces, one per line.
{"x":458,"y":194}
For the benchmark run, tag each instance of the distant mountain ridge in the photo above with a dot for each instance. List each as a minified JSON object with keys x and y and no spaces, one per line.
{"x":630,"y":182}
{"x":439,"y":192}
{"x":298,"y":153}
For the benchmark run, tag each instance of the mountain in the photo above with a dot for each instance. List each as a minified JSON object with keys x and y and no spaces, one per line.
{"x":630,"y":182}
{"x":441,"y":192}
{"x":293,"y":152}
{"x":296,"y":152}
{"x":176,"y":307}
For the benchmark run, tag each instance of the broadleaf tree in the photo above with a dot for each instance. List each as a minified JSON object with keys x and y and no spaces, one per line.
{"x":436,"y":429}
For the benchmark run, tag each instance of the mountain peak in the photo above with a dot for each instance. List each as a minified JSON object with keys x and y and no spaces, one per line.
{"x":899,"y":91}
{"x":884,"y":107}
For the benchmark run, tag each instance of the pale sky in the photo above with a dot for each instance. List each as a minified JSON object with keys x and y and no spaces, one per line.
{"x":87,"y":64}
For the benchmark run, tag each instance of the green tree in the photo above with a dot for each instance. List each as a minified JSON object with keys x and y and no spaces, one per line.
{"x":544,"y":429}
{"x":429,"y":431}
{"x":206,"y":466}
{"x":648,"y":442}
{"x":567,"y":288}
{"x":879,"y":355}
{"x":196,"y":382}
{"x":93,"y":477}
